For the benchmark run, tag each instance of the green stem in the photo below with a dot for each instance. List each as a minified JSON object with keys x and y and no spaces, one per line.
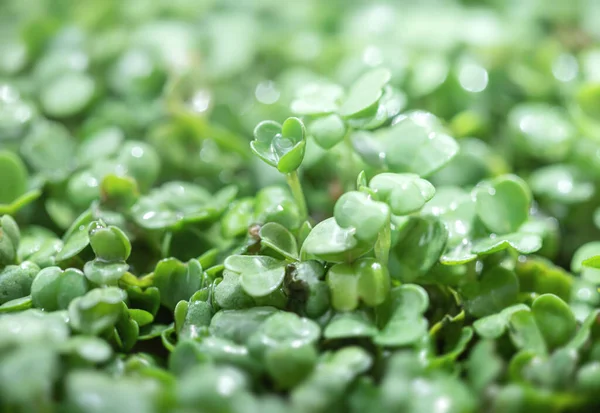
{"x":293,"y":181}
{"x":384,"y":243}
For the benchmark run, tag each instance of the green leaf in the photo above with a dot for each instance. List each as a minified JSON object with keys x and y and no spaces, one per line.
{"x":419,"y":247}
{"x":328,"y":131}
{"x":405,"y":193}
{"x":91,"y":349}
{"x":275,"y":204}
{"x":541,"y":130}
{"x":102,"y":272}
{"x":281,"y":146}
{"x":406,"y":325}
{"x":177,"y":281}
{"x":67,"y":95}
{"x":279,"y":239}
{"x":109,"y":243}
{"x":521,"y":242}
{"x":18,"y":304}
{"x":239,"y":325}
{"x":373,"y":281}
{"x":14,"y":174}
{"x":525,"y":333}
{"x":16,"y":280}
{"x":198,"y":315}
{"x":493,"y":326}
{"x":414,"y":144}
{"x":497,"y":289}
{"x":350,"y":325}
{"x":53,"y":289}
{"x":176,"y":203}
{"x":49,"y":149}
{"x":554,"y":319}
{"x":77,"y":237}
{"x":96,"y":311}
{"x":330,"y":242}
{"x":583,"y":253}
{"x":357,"y":210}
{"x":561,"y":183}
{"x":343,"y":284}
{"x":365,"y":279}
{"x":364,"y":93}
{"x":283,"y":329}
{"x":503,"y":204}
{"x":259,"y":275}
{"x":229,"y":293}
{"x":317,"y":98}
{"x":484,"y":365}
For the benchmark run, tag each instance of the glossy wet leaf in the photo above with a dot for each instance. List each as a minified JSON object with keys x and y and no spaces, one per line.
{"x":278,"y":238}
{"x":521,"y":242}
{"x":259,"y":275}
{"x":110,"y":243}
{"x":16,"y":280}
{"x":414,"y":144}
{"x":327,"y":240}
{"x":405,"y":193}
{"x":503,"y":204}
{"x":102,"y":272}
{"x":281,"y":146}
{"x":358,"y":211}
{"x":77,"y":237}
{"x":178,"y":203}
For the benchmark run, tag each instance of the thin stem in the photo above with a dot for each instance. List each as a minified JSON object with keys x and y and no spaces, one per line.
{"x":384,"y":243}
{"x":293,"y":181}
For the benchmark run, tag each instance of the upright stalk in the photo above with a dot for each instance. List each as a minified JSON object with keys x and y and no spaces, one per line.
{"x":293,"y":181}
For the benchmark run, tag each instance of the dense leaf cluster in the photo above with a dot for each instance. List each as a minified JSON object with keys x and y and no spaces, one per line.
{"x":299,"y":206}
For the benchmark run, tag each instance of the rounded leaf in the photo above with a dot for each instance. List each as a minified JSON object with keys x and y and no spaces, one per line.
{"x":357,"y":210}
{"x":364,"y":93}
{"x":503,"y":204}
{"x":14,"y":177}
{"x":555,"y":320}
{"x":328,"y":131}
